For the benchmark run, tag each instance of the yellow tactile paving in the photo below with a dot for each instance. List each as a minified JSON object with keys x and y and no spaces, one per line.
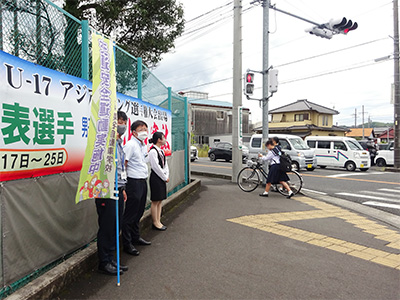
{"x":320,"y":210}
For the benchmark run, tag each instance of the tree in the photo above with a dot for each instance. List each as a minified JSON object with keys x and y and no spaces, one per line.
{"x":144,"y":28}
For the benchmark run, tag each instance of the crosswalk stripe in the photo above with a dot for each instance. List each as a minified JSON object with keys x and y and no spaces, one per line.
{"x":390,"y":190}
{"x":312,"y":191}
{"x":380,"y":204}
{"x":382,"y":194}
{"x":362,"y":196}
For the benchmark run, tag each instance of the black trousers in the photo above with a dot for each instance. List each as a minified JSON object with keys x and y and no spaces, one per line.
{"x":134,"y":209}
{"x":106,"y":236}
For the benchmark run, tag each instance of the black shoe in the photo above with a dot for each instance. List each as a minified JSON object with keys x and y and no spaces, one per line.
{"x":162,"y":228}
{"x":142,"y":242}
{"x":131,"y":250}
{"x":121,"y":267}
{"x":263,"y":195}
{"x":110,"y":269}
{"x":290,"y":195}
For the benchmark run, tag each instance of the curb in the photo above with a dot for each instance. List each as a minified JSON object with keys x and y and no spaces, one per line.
{"x":53,"y":282}
{"x":206,"y":174}
{"x":392,"y":169}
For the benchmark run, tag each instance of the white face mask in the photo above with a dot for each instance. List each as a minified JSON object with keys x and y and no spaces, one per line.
{"x":142,"y":135}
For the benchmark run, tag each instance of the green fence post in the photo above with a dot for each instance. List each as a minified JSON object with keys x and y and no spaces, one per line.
{"x":170,"y":99}
{"x":186,"y":142}
{"x":85,"y":49}
{"x":139,"y":77}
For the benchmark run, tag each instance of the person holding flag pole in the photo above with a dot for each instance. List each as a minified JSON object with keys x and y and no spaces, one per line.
{"x":99,"y":174}
{"x":110,"y":213}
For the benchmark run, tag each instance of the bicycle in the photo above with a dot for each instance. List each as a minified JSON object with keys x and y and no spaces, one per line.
{"x":249,"y":179}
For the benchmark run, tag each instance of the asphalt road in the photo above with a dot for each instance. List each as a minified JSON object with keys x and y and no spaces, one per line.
{"x":374,"y":188}
{"x":221,"y":244}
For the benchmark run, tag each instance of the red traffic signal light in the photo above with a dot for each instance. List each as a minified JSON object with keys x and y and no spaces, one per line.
{"x":353,"y":27}
{"x":249,"y":77}
{"x":342,"y":25}
{"x":248,"y":83}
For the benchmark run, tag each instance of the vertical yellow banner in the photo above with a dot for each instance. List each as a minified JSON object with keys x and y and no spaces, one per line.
{"x":97,"y":178}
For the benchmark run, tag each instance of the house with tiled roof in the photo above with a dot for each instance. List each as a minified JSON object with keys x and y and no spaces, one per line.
{"x":358,"y":134}
{"x":303,"y":118}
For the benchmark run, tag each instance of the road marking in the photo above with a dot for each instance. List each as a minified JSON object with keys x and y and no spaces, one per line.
{"x":271,"y":223}
{"x":362,"y":196}
{"x":354,"y":179}
{"x":382,"y":194}
{"x":390,"y":190}
{"x":222,"y":167}
{"x":380,"y":204}
{"x":354,"y":174}
{"x":312,"y":191}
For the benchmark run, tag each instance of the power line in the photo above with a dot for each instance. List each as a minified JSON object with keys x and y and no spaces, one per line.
{"x":204,"y":84}
{"x":355,"y":66}
{"x":210,"y":11}
{"x":331,"y":52}
{"x":331,"y":72}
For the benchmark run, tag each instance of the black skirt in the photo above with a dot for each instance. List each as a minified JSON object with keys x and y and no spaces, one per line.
{"x":276,"y":175}
{"x":158,"y":188}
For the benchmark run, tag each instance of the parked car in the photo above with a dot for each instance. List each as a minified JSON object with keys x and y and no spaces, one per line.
{"x":194,"y":153}
{"x":302,"y":156}
{"x":223,"y":150}
{"x":336,"y":151}
{"x":385,"y":157}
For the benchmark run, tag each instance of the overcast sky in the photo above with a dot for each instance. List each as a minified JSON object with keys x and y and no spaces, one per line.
{"x":206,"y":55}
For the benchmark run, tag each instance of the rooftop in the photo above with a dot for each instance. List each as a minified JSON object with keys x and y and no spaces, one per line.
{"x":304,"y":105}
{"x":355,"y":132}
{"x":208,"y":102}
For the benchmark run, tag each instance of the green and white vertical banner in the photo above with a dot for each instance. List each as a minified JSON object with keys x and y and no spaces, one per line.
{"x":97,"y":178}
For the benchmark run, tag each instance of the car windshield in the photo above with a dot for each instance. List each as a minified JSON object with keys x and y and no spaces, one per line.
{"x":299,"y":144}
{"x":354,"y":145}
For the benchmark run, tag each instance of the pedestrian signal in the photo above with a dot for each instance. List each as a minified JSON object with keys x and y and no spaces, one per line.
{"x":248,"y":83}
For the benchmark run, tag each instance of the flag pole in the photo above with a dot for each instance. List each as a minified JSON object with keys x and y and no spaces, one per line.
{"x":117,"y":214}
{"x":117,"y":199}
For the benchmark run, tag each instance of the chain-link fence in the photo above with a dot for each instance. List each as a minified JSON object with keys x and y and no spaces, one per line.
{"x":36,"y":31}
{"x":40,"y":32}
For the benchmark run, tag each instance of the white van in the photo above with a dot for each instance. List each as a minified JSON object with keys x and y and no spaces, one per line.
{"x":301,"y":155}
{"x":336,"y":151}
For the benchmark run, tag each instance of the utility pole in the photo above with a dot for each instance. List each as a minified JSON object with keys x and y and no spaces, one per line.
{"x":396,"y":86}
{"x":237,"y":88}
{"x":265,"y":67}
{"x":355,"y":117}
{"x":363,"y":121}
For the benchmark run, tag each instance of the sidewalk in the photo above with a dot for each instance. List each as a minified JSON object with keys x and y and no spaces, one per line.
{"x":227,"y":244}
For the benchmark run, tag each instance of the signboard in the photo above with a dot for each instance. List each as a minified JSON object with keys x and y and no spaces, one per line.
{"x":97,"y":178}
{"x":45,"y":117}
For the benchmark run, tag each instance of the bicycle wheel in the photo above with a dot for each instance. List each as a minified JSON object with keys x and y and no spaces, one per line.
{"x":248,"y":179}
{"x":295,"y":183}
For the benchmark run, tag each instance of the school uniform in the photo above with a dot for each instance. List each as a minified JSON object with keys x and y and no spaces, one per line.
{"x":106,"y":211}
{"x":275,"y":174}
{"x":159,"y":174}
{"x":136,"y":189}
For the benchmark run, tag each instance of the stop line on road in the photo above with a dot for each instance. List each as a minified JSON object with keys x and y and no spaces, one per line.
{"x":380,"y":198}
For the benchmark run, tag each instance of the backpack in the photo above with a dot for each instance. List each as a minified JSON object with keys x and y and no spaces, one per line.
{"x":286,"y":162}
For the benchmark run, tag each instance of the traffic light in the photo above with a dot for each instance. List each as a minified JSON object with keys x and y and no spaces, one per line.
{"x":342,"y":25}
{"x":248,"y":83}
{"x":321,"y":32}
